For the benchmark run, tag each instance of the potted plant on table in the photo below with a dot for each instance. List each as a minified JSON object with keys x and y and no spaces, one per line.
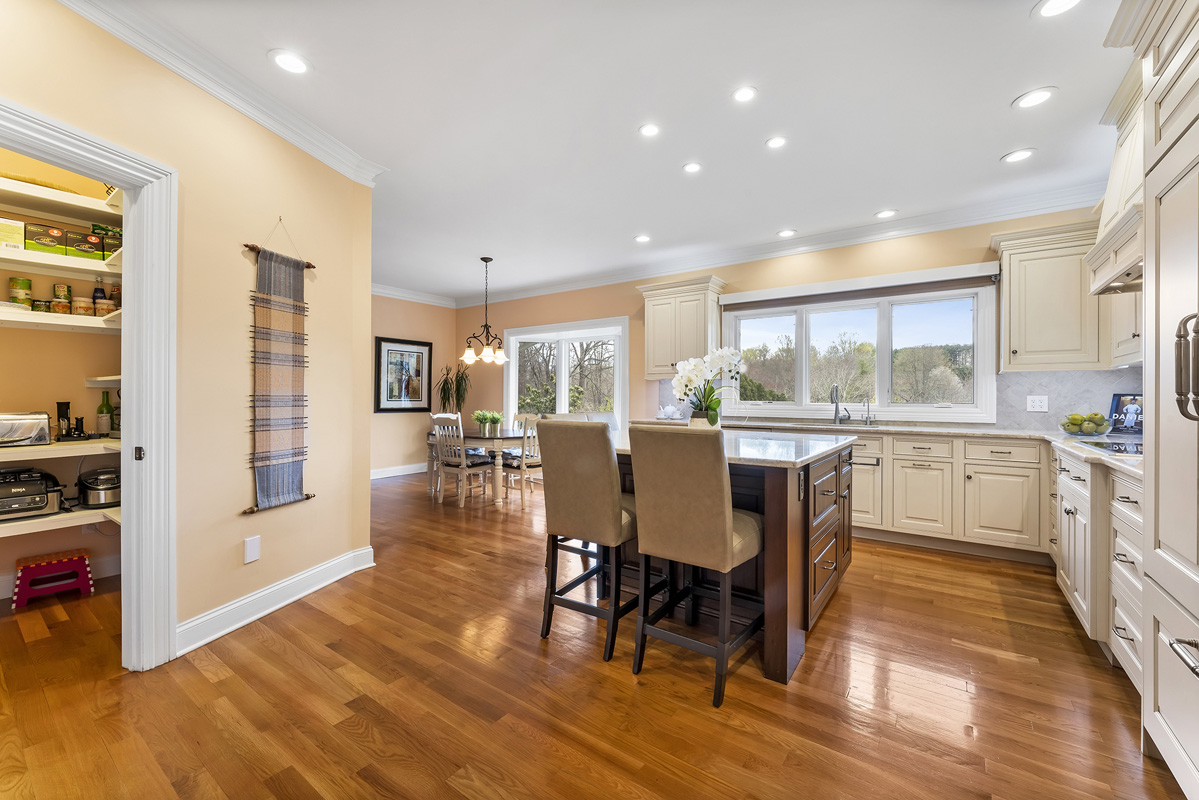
{"x":489,"y":422}
{"x":696,"y":379}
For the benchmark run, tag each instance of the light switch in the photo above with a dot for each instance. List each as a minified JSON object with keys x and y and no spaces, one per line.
{"x":253,"y":548}
{"x":1038,"y":402}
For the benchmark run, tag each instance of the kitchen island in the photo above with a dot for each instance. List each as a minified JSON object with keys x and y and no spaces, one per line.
{"x":801,"y":485}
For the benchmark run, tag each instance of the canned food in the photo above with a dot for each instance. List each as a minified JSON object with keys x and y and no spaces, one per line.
{"x":83,"y":306}
{"x":104,"y":307}
{"x":20,"y":289}
{"x":22,"y":301}
{"x":62,"y":291}
{"x":60,"y":307}
{"x":41,"y":305}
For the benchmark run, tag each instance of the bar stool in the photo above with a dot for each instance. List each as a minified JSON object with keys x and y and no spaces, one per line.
{"x":686,"y":515}
{"x":583,"y":502}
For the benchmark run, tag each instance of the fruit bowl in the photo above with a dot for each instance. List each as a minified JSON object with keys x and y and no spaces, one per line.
{"x":1094,"y":424}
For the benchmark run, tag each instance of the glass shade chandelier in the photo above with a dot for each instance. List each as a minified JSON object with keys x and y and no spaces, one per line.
{"x":492,"y":345}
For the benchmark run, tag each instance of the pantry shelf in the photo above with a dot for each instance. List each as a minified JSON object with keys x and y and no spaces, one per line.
{"x":62,"y":266}
{"x":53,"y":522}
{"x":38,"y":320}
{"x":57,"y":204}
{"x":39,"y":452}
{"x":104,"y":382}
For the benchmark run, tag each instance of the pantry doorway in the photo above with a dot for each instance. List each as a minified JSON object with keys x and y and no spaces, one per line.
{"x":148,"y":453}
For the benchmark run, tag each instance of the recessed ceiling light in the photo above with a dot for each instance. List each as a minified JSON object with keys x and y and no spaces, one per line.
{"x":1018,"y":155}
{"x":1034,"y":98}
{"x":649,"y":129}
{"x":1051,"y":8}
{"x":286,"y":59}
{"x":745,"y":94}
{"x":787,"y":234}
{"x":776,"y":141}
{"x":886,"y":213}
{"x":642,"y":239}
{"x":692,"y":166}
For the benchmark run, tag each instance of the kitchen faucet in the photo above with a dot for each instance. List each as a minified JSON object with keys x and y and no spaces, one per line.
{"x":866,"y":416}
{"x":834,"y":397}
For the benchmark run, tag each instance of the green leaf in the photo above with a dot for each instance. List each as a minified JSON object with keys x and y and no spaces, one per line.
{"x":713,"y":417}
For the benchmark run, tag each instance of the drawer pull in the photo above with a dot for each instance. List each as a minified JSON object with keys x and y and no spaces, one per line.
{"x":831,"y":564}
{"x":1116,"y":629}
{"x":1078,"y":478}
{"x":1068,"y":511}
{"x":1002,"y":452}
{"x":1053,"y":541}
{"x":1053,"y":495}
{"x":1177,"y":645}
{"x":914,"y":464}
{"x":1126,"y":499}
{"x":845,"y":494}
{"x":1053,"y":459}
{"x":829,"y":492}
{"x":920,"y":447}
{"x":875,"y":463}
{"x":1062,"y":469}
{"x":1123,"y":559}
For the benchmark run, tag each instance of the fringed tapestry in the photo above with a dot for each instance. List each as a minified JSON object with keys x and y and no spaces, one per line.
{"x":279,"y":402}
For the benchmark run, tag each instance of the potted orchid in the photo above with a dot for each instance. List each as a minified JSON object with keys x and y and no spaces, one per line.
{"x":696,"y":382}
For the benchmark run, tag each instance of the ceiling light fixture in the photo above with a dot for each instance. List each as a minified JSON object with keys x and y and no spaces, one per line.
{"x":1034,"y":98}
{"x":776,"y":141}
{"x":642,"y":239}
{"x":692,"y":166}
{"x":649,"y":129}
{"x":1018,"y":155}
{"x":786,"y":234}
{"x":745,"y":94}
{"x":1051,"y":8}
{"x":292,"y":62}
{"x":886,"y":213}
{"x":485,"y":338}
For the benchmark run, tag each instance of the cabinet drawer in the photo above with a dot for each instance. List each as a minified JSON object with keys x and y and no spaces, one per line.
{"x":823,"y":476}
{"x":1171,"y":689}
{"x":824,"y":570}
{"x":1003,"y":451}
{"x":925,"y":448}
{"x":1127,"y":568}
{"x":1125,"y":636}
{"x":1127,"y":498}
{"x":868,"y":445}
{"x":1075,"y":475}
{"x":1127,"y":532}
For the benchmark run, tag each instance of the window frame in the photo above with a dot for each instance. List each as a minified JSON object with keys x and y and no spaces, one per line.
{"x":563,"y":334}
{"x":983,"y":409}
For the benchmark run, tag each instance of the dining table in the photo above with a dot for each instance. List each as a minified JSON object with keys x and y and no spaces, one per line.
{"x":493,"y":443}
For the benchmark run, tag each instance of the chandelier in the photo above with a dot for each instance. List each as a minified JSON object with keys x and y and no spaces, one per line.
{"x":485,"y":338}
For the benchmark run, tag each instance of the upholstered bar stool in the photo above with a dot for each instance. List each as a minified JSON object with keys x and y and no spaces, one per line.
{"x":686,"y":515}
{"x":583,"y":502}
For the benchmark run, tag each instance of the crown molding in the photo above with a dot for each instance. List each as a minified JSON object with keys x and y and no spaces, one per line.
{"x":396,"y":293}
{"x":180,"y":55}
{"x":1049,"y":202}
{"x":1132,"y":17}
{"x":1037,"y":238}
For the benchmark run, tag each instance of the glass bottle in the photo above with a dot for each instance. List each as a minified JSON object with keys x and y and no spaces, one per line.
{"x":104,"y":415}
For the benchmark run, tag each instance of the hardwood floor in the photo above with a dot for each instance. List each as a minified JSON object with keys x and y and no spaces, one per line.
{"x":929,"y":676}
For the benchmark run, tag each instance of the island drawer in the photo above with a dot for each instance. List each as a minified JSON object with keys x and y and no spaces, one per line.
{"x":1003,"y":451}
{"x":822,"y":574}
{"x":823,"y":476}
{"x":925,"y":448}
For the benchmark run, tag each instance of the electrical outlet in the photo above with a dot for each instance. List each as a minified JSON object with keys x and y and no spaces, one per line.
{"x":253,"y":548}
{"x":1038,"y":402}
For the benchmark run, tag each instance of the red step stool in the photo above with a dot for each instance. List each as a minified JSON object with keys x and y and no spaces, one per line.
{"x":48,"y":566}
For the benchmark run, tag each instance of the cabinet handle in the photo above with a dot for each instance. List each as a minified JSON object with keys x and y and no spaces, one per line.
{"x":1062,"y":469}
{"x":1053,"y":459}
{"x":1053,"y":541}
{"x":919,"y":447}
{"x":829,"y":492}
{"x":1069,"y":512}
{"x":1185,"y":655}
{"x":1053,"y":495}
{"x":845,"y":494}
{"x":831,"y":564}
{"x":1002,"y":452}
{"x":1136,"y":335}
{"x":1123,"y":559}
{"x":1182,"y":373}
{"x":877,"y":462}
{"x":921,"y":465}
{"x":1126,"y":499}
{"x":1116,"y":630}
{"x":1078,"y":478}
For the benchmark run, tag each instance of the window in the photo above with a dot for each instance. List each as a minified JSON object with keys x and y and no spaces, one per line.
{"x":572,"y":368}
{"x":917,"y":356}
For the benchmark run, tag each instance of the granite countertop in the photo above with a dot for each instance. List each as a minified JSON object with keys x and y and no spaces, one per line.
{"x":764,"y":448}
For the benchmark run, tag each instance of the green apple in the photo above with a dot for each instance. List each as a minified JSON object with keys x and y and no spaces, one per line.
{"x":1089,"y":427}
{"x":1095,"y":416}
{"x":1076,"y":419}
{"x":1071,"y":428}
{"x":1103,"y":428}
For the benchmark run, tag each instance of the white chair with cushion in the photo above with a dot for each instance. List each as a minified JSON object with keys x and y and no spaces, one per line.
{"x":456,"y":459}
{"x":524,"y":462}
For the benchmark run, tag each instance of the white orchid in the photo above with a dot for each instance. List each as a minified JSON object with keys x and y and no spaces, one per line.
{"x":694,"y":379}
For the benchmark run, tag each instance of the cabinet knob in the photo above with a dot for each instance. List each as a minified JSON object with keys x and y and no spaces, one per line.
{"x":969,"y":477}
{"x":1136,"y":336}
{"x":1014,"y":352}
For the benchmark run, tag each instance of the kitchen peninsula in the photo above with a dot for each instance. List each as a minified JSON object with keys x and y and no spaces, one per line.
{"x":801,"y":485}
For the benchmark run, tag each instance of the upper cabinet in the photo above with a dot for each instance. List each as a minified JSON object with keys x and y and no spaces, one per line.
{"x":682,"y":320}
{"x":1049,"y":320}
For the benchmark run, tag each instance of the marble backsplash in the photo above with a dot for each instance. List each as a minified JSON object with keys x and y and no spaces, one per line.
{"x":1069,"y":391}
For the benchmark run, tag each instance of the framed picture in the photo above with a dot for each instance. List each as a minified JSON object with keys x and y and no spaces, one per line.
{"x":402,"y":375}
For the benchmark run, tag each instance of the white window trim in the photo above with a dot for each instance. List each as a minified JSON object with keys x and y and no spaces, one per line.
{"x":985,"y":361}
{"x":610,"y":327}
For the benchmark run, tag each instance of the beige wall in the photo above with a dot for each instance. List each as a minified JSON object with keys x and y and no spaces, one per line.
{"x":949,"y":248}
{"x":235,"y":179}
{"x":398,"y":439}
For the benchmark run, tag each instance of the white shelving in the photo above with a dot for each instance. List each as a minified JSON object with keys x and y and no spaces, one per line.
{"x":39,"y":452}
{"x":61,"y":266}
{"x":104,"y":382}
{"x":64,"y":519}
{"x":116,"y":201}
{"x":57,"y":204}
{"x":40,"y":320}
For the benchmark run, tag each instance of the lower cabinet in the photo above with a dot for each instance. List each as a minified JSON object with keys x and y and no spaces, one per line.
{"x":922,"y":496}
{"x":1074,"y":562}
{"x":1003,"y":505}
{"x":1170,"y":684}
{"x":868,"y":490}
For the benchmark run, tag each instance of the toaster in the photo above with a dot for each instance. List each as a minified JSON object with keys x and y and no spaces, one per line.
{"x":100,"y":488}
{"x":24,"y":429}
{"x":28,"y":492}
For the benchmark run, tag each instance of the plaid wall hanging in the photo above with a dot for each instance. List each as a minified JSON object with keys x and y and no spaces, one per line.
{"x":279,"y":401}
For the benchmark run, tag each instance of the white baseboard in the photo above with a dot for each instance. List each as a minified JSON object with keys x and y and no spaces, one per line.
{"x":201,"y":630}
{"x":102,"y":567}
{"x":403,"y":469}
{"x":954,"y":545}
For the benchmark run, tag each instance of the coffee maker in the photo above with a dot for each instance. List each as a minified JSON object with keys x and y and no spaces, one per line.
{"x":66,"y":431}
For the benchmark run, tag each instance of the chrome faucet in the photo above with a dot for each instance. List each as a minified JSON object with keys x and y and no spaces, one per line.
{"x":866,"y":416}
{"x":839,"y":414}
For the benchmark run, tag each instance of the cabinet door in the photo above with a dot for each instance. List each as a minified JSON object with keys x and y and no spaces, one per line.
{"x":1126,"y":328}
{"x":660,"y":337}
{"x":690,"y":326}
{"x":1065,"y":578}
{"x":1082,"y":587}
{"x":923,"y":496}
{"x":1003,"y":505}
{"x":868,"y":491}
{"x":1170,"y":691}
{"x":1052,"y":320}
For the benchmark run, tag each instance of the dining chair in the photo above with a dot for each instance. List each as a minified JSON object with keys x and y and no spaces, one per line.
{"x":686,"y":515}
{"x":454,"y":458}
{"x":583,"y":502}
{"x":523,"y":462}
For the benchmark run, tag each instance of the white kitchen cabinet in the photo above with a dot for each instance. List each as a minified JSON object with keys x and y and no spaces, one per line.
{"x":1003,"y":505}
{"x":1126,"y":328}
{"x":867,"y":490}
{"x":682,"y":320}
{"x":1049,"y":320}
{"x":923,"y":496}
{"x":1075,"y":570}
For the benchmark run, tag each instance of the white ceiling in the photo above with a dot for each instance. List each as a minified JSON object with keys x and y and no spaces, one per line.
{"x":509,"y":129}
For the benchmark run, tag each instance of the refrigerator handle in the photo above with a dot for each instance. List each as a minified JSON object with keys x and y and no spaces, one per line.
{"x":1186,"y":368}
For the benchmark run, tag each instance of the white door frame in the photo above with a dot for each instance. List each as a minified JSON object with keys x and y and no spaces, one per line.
{"x":148,"y":330}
